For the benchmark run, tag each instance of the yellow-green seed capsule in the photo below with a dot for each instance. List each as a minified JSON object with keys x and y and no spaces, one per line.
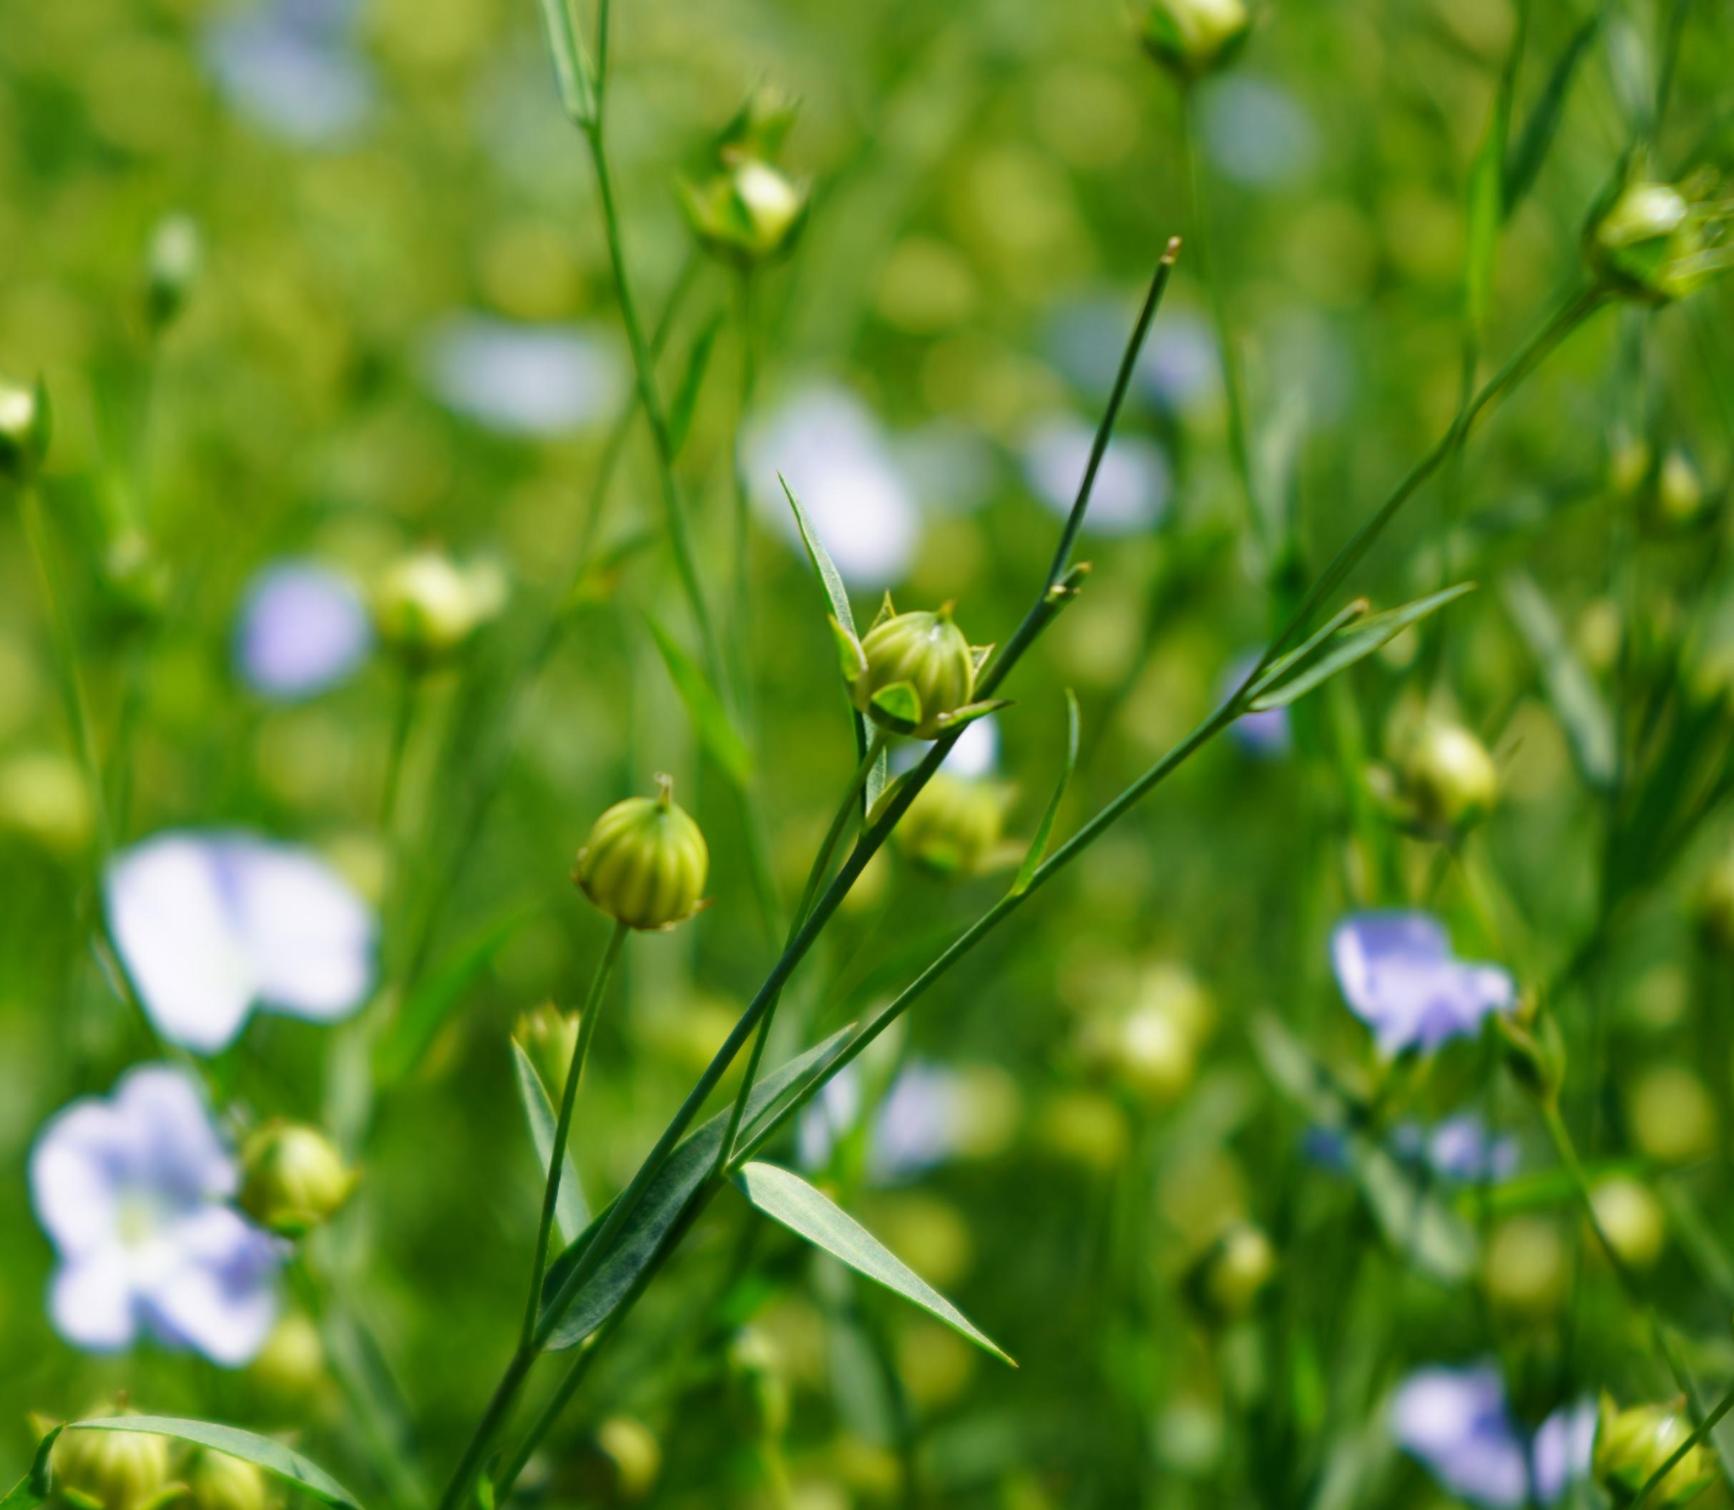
{"x":621,"y":1465}
{"x":1194,"y":37}
{"x":217,"y":1481}
{"x":1450,"y":778}
{"x":1716,"y":905}
{"x":548,"y":1038}
{"x":1680,"y":492}
{"x":645,"y":862}
{"x":912,"y":672}
{"x":748,"y":212}
{"x":1233,"y":1272}
{"x":292,"y":1179}
{"x":1632,"y":1444}
{"x":24,"y":431}
{"x":111,"y":1470}
{"x":758,"y":1388}
{"x":1648,"y":243}
{"x":1631,"y":1219}
{"x":954,"y":825}
{"x":172,"y":267}
{"x":290,"y":1369}
{"x":425,"y":607}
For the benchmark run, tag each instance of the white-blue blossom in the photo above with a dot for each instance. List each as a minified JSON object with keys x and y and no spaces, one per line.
{"x":133,"y":1192}
{"x":1459,"y":1148}
{"x":1132,"y":484}
{"x":1256,"y":132}
{"x":976,"y":752}
{"x":291,"y":67}
{"x":524,"y":379}
{"x":1266,"y":733}
{"x":919,"y":1122}
{"x":843,"y":467}
{"x":1457,"y":1422}
{"x":1399,"y":976}
{"x":210,"y":924}
{"x":302,"y":630}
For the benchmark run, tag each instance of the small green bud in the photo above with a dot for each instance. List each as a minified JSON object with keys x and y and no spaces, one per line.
{"x":645,"y":862}
{"x":290,"y":1368}
{"x":172,"y":267}
{"x":621,"y":1465}
{"x":111,"y":1470}
{"x":1525,"y":1270}
{"x":548,"y":1037}
{"x":1449,"y":778}
{"x":954,"y":825}
{"x":217,"y":1481}
{"x":1680,"y":491}
{"x":1716,"y":904}
{"x":747,"y":213}
{"x":425,"y":607}
{"x":1233,"y":1272}
{"x":25,"y":426}
{"x":1194,"y":37}
{"x":1651,"y":242}
{"x":913,"y":672}
{"x":1632,"y":1444}
{"x":45,"y":799}
{"x":1629,"y":462}
{"x":1631,"y":1219}
{"x":1148,"y":1051}
{"x":757,"y":1386}
{"x":292,"y":1179}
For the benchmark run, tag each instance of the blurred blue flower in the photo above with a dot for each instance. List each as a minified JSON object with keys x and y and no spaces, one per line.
{"x":291,"y":67}
{"x":918,"y":1123}
{"x":1178,"y":366}
{"x":1459,"y":1148}
{"x":976,"y":752}
{"x":523,"y":379}
{"x":302,"y":630}
{"x":211,"y":924}
{"x":1266,"y":734}
{"x":841,"y":465}
{"x":132,"y":1192}
{"x":1256,"y":132}
{"x":1398,"y":975}
{"x":1456,"y":1422}
{"x":1131,"y":493}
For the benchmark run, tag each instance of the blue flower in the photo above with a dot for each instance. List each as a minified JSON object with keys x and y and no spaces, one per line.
{"x":132,"y":1192}
{"x":1264,"y":734}
{"x":523,"y":379}
{"x":1132,"y":485}
{"x":302,"y":629}
{"x":211,"y":924}
{"x":1398,"y":975}
{"x":1459,"y":1148}
{"x":291,"y":68}
{"x":919,"y":1122}
{"x":1457,"y":1422}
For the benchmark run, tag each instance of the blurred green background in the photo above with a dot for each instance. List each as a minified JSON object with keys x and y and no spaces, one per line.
{"x":991,"y":185}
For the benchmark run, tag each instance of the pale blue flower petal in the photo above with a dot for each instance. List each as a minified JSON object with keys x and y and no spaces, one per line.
{"x":1264,"y":734}
{"x":1132,"y":484}
{"x":1256,"y":132}
{"x":302,"y":630}
{"x":303,"y":86}
{"x":1398,"y":976}
{"x":74,"y":1171}
{"x":522,"y":379}
{"x":1455,"y":1421}
{"x":1563,"y":1448}
{"x":221,"y":1298}
{"x":90,"y":1301}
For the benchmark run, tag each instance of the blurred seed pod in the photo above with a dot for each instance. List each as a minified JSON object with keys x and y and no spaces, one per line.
{"x":1671,"y":1115}
{"x":218,"y":1481}
{"x":292,"y":1179}
{"x":955,"y":824}
{"x":1083,"y":1127}
{"x":1448,"y":778}
{"x":1229,"y":1278}
{"x":1526,"y":1270}
{"x":26,"y":425}
{"x":548,"y":1037}
{"x":290,"y":1369}
{"x":620,"y":1464}
{"x":172,"y":266}
{"x":1631,"y":1219}
{"x":1657,"y":242}
{"x":1633,"y":1444}
{"x":425,"y":606}
{"x":645,"y":862}
{"x":112,"y":1470}
{"x":45,"y":800}
{"x":1194,"y":37}
{"x":1146,"y":1051}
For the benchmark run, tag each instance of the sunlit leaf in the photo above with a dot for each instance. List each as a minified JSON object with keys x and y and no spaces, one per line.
{"x":571,"y":65}
{"x":809,"y":1213}
{"x":273,"y":1457}
{"x":569,"y":1208}
{"x":1045,"y":829}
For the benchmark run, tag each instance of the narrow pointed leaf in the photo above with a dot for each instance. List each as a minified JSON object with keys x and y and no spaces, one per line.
{"x":1045,"y":829}
{"x":685,"y":403}
{"x":1486,"y":215}
{"x":1576,"y":701}
{"x":716,"y":731}
{"x":569,"y":1208}
{"x":808,"y":1213}
{"x":636,"y":1244}
{"x":32,"y":1490}
{"x":900,"y":704}
{"x":277,"y":1460}
{"x":1355,"y":641}
{"x":1524,"y":162}
{"x":571,"y":66}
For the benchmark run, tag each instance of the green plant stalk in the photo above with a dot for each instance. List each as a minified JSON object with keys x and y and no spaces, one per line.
{"x":1056,"y":591}
{"x":1700,"y":1433}
{"x":741,"y":618}
{"x":402,"y":721}
{"x":563,"y":1122}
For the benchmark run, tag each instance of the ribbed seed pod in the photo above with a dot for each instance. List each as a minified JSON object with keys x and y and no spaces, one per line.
{"x":217,"y":1481}
{"x":645,"y":862}
{"x":110,"y":1470}
{"x":927,"y":654}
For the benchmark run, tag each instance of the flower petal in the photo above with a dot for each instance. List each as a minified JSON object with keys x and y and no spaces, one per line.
{"x":91,"y":1301}
{"x":302,"y":630}
{"x":1367,"y":946}
{"x":221,"y":1299}
{"x":176,"y":935}
{"x":177,"y":1148}
{"x":78,"y":1161}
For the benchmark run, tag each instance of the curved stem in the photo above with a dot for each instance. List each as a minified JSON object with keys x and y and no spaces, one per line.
{"x":591,"y":1011}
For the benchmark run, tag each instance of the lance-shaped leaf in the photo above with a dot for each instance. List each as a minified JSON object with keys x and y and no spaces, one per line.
{"x":569,"y":1209}
{"x":1486,"y":215}
{"x":636,"y":1244}
{"x":1589,"y":727}
{"x":1045,"y":829}
{"x":1348,"y":638}
{"x":1530,"y":150}
{"x":273,"y":1457}
{"x":716,"y":731}
{"x":685,"y":403}
{"x":571,"y":66}
{"x":843,"y":625}
{"x":808,"y":1213}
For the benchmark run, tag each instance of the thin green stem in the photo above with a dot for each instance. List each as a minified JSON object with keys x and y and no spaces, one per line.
{"x":1700,"y":1433}
{"x":498,"y":1412}
{"x":749,"y":383}
{"x":402,"y":721}
{"x":587,"y":1020}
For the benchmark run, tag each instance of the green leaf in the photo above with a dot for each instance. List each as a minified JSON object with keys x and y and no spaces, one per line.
{"x":1348,"y":639}
{"x":1589,"y":727}
{"x":32,"y":1490}
{"x":571,"y":66}
{"x":1486,"y":215}
{"x":843,"y":617}
{"x":1045,"y":829}
{"x":691,"y":385}
{"x":413,"y":1031}
{"x":716,"y":731}
{"x":276,"y":1459}
{"x":900,"y":704}
{"x":809,"y":1213}
{"x":1523,"y":164}
{"x":569,"y":1208}
{"x":665,"y":1201}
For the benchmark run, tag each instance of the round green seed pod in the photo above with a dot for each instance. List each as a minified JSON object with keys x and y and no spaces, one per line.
{"x":1450,"y":778}
{"x":425,"y":607}
{"x":748,"y":213}
{"x":109,"y":1470}
{"x":1632,"y":1444}
{"x":217,"y":1481}
{"x":292,"y":1179}
{"x":1194,"y":37}
{"x":927,"y":654}
{"x":645,"y":862}
{"x":24,"y":431}
{"x":1646,"y":242}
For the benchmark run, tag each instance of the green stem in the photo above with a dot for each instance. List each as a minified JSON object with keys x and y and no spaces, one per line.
{"x":1700,"y":1433}
{"x":743,"y":509}
{"x":402,"y":721}
{"x":563,"y":1122}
